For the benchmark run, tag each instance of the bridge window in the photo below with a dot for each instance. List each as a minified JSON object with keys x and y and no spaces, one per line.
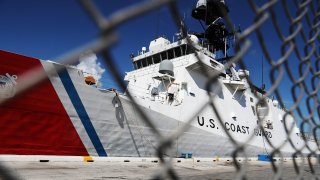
{"x":149,"y":61}
{"x":144,"y":62}
{"x":135,"y":66}
{"x":169,"y":54}
{"x":164,"y":56}
{"x":177,"y":52}
{"x":156,"y":58}
{"x":183,"y":49}
{"x":190,"y":50}
{"x":139,"y":63}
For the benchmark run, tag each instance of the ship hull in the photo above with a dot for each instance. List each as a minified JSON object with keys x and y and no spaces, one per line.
{"x":65,"y":116}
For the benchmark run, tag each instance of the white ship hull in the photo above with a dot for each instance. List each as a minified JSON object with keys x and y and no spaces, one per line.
{"x":99,"y":122}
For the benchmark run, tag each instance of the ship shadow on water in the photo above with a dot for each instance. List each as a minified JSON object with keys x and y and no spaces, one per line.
{"x":121,"y":117}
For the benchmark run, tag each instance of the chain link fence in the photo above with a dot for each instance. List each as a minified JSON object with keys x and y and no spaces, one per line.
{"x":300,"y":43}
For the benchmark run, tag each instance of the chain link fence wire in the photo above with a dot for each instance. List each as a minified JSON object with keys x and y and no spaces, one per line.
{"x":299,"y":42}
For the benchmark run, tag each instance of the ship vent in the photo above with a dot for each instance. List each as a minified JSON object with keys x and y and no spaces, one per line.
{"x":166,"y":67}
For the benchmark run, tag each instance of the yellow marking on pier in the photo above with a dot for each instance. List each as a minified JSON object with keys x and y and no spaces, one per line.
{"x":87,"y":159}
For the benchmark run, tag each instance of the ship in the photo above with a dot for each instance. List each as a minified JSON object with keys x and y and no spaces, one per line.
{"x":67,"y":115}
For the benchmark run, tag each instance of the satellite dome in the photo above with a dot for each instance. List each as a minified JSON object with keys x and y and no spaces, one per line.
{"x":242,"y":73}
{"x":201,"y":3}
{"x":166,"y":67}
{"x":158,"y":44}
{"x":194,"y":39}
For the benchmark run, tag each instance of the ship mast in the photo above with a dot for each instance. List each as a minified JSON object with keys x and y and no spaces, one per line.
{"x":215,"y":35}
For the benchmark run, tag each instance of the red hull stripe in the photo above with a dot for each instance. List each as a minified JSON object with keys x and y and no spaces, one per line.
{"x":36,"y":123}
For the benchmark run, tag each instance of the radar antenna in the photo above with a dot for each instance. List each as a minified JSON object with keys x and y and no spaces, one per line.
{"x":212,"y":13}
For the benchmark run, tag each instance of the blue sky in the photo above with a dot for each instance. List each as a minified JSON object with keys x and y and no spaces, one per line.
{"x":46,"y":29}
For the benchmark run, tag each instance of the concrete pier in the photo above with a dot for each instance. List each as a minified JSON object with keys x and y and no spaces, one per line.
{"x":140,"y":168}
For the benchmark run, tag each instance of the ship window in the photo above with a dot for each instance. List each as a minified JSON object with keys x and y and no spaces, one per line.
{"x":135,"y":65}
{"x":251,"y":99}
{"x":190,"y":49}
{"x":164,"y":55}
{"x":177,"y":52}
{"x":144,"y":62}
{"x":156,"y":58}
{"x":139,"y":64}
{"x":149,"y":61}
{"x":254,"y":112}
{"x":170,"y":54}
{"x":183,"y":49}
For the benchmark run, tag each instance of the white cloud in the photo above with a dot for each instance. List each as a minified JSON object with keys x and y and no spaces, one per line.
{"x":90,"y":67}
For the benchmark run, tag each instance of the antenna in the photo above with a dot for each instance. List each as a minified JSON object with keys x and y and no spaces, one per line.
{"x":263,"y":86}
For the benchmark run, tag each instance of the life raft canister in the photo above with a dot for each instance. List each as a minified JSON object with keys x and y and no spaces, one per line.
{"x":90,"y":80}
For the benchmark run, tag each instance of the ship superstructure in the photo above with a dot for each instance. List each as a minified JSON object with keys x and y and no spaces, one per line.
{"x":171,"y":78}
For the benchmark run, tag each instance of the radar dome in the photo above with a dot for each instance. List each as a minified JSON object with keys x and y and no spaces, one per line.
{"x":194,"y":39}
{"x":158,"y":44}
{"x":201,"y":3}
{"x":242,"y":73}
{"x":166,"y":67}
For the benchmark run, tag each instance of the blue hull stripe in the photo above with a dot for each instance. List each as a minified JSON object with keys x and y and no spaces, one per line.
{"x":82,"y":113}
